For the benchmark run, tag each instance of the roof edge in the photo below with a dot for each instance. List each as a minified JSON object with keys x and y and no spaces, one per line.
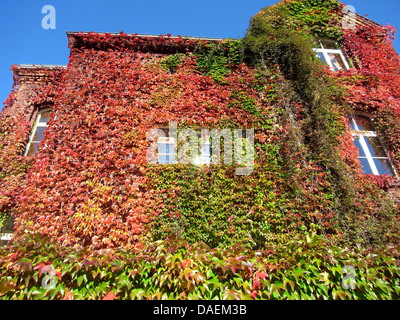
{"x":162,"y":44}
{"x":40,"y":66}
{"x":34,"y":73}
{"x":168,"y":36}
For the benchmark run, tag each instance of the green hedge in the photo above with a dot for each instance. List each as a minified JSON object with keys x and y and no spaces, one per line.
{"x":312,"y":269}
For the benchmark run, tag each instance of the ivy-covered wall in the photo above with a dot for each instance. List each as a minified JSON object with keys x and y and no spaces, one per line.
{"x":285,"y":34}
{"x":91,"y":185}
{"x":31,"y":84}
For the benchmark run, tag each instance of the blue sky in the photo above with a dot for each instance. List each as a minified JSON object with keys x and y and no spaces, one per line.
{"x":24,"y":41}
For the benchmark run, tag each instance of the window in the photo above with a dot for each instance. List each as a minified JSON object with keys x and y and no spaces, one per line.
{"x":37,"y":134}
{"x":330,"y":53}
{"x":167,"y":152}
{"x":205,"y":148}
{"x":372,"y":154}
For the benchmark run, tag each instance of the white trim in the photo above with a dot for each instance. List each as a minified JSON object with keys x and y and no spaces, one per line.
{"x":171,"y":155}
{"x":368,"y":155}
{"x":364,"y":146}
{"x":6,"y":236}
{"x":361,"y":135}
{"x":327,"y":58}
{"x":204,"y":156}
{"x":37,"y":124}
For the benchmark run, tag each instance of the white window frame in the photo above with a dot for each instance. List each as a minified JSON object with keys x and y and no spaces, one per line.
{"x":326,"y":53}
{"x":361,"y":135}
{"x":38,"y":124}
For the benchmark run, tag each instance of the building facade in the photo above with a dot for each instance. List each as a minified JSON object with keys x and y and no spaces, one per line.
{"x":80,"y":167}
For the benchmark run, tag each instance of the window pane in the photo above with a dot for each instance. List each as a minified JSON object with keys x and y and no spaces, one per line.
{"x":32,"y":149}
{"x":39,"y":134}
{"x":205,"y":149}
{"x":375,"y":147}
{"x":350,"y":122}
{"x":166,"y":153}
{"x":45,"y":116}
{"x":163,"y":148}
{"x":8,"y":225}
{"x":383,"y":166}
{"x":330,"y":44}
{"x":358,"y":145}
{"x":171,"y":158}
{"x":366,"y":168}
{"x":163,"y":159}
{"x":364,"y":123}
{"x":205,"y":159}
{"x":337,"y":61}
{"x":321,"y":57}
{"x":318,"y":44}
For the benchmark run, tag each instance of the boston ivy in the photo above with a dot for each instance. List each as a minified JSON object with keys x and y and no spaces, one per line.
{"x":92,"y":187}
{"x":309,"y":270}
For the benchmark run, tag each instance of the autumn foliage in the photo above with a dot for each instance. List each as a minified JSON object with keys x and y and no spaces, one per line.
{"x":90,"y":184}
{"x":374,"y":86}
{"x":86,"y":185}
{"x":177,"y":270}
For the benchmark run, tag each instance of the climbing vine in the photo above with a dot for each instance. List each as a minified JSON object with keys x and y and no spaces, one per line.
{"x":285,"y":34}
{"x":91,"y":184}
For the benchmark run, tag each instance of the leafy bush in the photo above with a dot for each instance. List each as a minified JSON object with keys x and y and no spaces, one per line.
{"x":92,"y":184}
{"x":311,"y":269}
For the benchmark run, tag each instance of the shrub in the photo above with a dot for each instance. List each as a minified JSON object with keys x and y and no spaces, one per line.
{"x":311,"y":269}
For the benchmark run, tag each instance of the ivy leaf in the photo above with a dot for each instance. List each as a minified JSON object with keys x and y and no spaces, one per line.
{"x":110,"y":296}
